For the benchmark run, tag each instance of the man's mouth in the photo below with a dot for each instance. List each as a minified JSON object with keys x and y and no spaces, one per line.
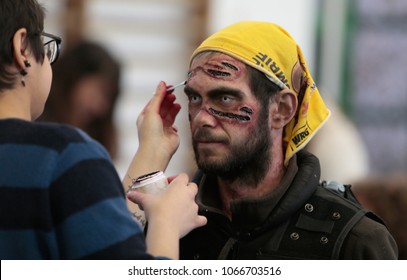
{"x":208,"y":141}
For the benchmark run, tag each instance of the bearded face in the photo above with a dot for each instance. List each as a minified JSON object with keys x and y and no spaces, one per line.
{"x":247,"y":158}
{"x":230,"y":130}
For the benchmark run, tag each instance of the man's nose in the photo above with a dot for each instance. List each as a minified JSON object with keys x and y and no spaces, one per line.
{"x":204,"y":118}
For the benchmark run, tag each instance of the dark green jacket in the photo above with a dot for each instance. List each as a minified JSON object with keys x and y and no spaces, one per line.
{"x":300,"y":219}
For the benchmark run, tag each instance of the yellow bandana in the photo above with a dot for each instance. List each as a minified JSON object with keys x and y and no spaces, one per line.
{"x":270,"y":49}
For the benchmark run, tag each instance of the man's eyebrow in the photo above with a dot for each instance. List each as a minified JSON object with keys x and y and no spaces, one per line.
{"x":216,"y":92}
{"x":189,"y":90}
{"x":226,"y":90}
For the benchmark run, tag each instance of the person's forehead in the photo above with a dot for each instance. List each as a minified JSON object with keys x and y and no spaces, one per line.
{"x":218,"y":58}
{"x":218,"y":66}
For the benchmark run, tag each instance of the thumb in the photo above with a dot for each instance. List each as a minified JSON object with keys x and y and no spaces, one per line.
{"x":136,"y":196}
{"x":201,"y":221}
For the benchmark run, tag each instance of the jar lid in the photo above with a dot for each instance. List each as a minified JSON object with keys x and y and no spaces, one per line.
{"x":149,"y":178}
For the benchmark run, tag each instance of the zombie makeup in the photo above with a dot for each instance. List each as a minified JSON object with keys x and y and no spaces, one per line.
{"x":220,"y":67}
{"x":223,"y":102}
{"x":229,"y":116}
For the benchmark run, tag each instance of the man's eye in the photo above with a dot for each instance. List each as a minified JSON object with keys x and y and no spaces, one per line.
{"x":194,"y":98}
{"x":226,"y":99}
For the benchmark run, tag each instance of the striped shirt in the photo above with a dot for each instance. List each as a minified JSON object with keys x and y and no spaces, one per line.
{"x":61,"y":197}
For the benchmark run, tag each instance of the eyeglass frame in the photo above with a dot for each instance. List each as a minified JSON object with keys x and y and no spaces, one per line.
{"x":57,"y":40}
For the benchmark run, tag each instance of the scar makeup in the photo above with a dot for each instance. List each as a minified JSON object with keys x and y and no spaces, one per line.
{"x":230,"y":116}
{"x":231,"y":66}
{"x":217,"y":73}
{"x":246,"y":110}
{"x":222,"y":67}
{"x":219,"y":68}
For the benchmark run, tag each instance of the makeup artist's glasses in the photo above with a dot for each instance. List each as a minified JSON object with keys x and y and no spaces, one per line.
{"x":52,"y":45}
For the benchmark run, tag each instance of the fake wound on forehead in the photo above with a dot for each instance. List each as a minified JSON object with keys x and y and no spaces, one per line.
{"x":221,"y":69}
{"x":218,"y":69}
{"x":223,"y":72}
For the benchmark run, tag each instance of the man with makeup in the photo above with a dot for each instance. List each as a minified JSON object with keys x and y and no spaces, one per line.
{"x":253,"y":106}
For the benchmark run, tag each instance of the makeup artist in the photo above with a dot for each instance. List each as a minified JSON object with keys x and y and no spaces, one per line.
{"x":60,"y":196}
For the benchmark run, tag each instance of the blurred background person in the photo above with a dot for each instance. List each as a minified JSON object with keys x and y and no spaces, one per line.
{"x":84,"y":92}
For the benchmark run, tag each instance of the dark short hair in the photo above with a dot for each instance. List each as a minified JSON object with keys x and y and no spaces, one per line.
{"x":16,"y":14}
{"x":262,"y":88}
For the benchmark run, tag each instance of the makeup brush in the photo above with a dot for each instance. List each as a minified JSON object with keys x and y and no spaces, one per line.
{"x":177,"y":85}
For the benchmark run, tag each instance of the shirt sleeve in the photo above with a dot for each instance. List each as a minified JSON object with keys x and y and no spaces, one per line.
{"x":89,"y":210}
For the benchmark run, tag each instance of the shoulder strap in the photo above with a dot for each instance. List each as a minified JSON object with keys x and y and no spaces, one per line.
{"x":346,"y":192}
{"x":319,"y":229}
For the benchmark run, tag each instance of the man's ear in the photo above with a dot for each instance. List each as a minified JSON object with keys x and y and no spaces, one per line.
{"x":20,"y":48}
{"x":282,"y":108}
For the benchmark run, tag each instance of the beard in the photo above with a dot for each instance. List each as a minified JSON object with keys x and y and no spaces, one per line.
{"x":248,"y":160}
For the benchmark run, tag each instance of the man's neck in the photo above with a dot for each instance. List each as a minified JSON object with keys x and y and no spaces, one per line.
{"x":232,"y":190}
